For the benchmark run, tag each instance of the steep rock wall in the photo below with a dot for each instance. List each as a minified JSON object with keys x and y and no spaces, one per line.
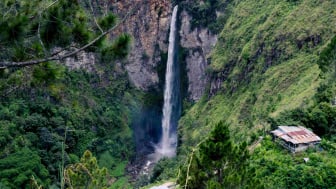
{"x":149,"y":26}
{"x":199,"y":43}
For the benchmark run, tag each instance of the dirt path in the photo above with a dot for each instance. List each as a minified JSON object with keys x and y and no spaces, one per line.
{"x":254,"y":145}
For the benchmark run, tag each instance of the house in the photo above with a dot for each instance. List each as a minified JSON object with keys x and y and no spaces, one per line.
{"x":295,"y":138}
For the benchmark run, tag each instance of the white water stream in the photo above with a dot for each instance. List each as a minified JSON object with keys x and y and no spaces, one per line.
{"x":167,"y":145}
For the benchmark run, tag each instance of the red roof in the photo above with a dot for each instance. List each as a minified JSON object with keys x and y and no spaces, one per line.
{"x":296,"y":135}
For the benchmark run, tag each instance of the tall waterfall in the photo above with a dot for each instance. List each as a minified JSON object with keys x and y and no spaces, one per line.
{"x":167,"y":145}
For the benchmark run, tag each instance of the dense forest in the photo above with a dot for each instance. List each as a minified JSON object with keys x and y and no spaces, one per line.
{"x":51,"y":114}
{"x":66,"y":123}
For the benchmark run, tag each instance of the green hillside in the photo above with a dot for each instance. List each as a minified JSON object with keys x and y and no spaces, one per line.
{"x":267,"y":59}
{"x":49,"y":113}
{"x":274,"y":64}
{"x":52,"y":124}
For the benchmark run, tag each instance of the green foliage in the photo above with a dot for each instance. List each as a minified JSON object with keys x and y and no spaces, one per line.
{"x":55,"y":112}
{"x":116,"y":168}
{"x":327,"y":56}
{"x":41,"y":24}
{"x":121,"y":183}
{"x":15,"y":29}
{"x":17,"y":169}
{"x":217,"y":164}
{"x":165,"y":169}
{"x":32,"y":29}
{"x":47,"y":73}
{"x":272,"y":167}
{"x":107,"y":22}
{"x":204,"y":13}
{"x":66,"y":19}
{"x":118,"y":49}
{"x":320,"y":116}
{"x":86,"y":174}
{"x":265,"y":62}
{"x":37,"y":109}
{"x":265,"y":71}
{"x":7,"y":132}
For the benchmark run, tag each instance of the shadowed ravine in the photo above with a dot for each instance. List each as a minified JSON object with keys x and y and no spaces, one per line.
{"x":171,"y":110}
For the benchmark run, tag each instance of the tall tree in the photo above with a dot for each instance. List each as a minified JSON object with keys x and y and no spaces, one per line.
{"x":86,"y":174}
{"x":218,"y":164}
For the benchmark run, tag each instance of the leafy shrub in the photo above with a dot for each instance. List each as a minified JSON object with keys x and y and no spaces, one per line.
{"x":17,"y":169}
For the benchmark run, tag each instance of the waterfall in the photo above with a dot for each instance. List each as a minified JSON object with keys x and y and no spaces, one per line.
{"x":168,"y":142}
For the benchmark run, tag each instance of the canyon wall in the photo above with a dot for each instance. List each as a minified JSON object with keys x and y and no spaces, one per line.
{"x":198,"y":43}
{"x":148,"y":23}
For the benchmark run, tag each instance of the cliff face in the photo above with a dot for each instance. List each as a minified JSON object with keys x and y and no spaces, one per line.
{"x":199,"y":43}
{"x":148,"y":23}
{"x":82,"y":60}
{"x":149,"y":26}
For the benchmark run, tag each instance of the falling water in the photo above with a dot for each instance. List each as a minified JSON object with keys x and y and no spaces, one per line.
{"x":167,"y":145}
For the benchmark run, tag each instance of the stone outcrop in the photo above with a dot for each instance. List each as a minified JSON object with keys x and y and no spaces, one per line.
{"x":149,"y":25}
{"x":199,"y":43}
{"x":82,"y":60}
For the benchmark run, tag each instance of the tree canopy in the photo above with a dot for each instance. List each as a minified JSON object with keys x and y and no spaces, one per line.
{"x":86,"y":174}
{"x":218,"y":163}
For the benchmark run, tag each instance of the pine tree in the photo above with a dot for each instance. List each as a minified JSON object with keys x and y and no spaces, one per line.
{"x":86,"y":174}
{"x":31,"y":31}
{"x":218,"y":164}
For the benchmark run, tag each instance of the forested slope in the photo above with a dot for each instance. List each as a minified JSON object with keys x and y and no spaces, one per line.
{"x":51,"y":113}
{"x":274,"y":64}
{"x":266,"y":61}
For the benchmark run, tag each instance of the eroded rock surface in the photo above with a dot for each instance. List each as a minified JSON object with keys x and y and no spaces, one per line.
{"x":199,"y":43}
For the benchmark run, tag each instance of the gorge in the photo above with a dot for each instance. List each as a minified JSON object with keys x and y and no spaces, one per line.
{"x":188,"y":88}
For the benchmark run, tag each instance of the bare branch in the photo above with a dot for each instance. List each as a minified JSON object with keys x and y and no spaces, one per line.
{"x":39,"y":35}
{"x":58,"y":51}
{"x":94,"y":17}
{"x":6,"y":13}
{"x":51,"y":4}
{"x":105,"y":8}
{"x":188,"y":169}
{"x":190,"y":161}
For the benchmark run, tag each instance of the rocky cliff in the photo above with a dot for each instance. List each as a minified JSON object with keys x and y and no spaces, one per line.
{"x":198,"y":43}
{"x":149,"y":26}
{"x":82,"y":60}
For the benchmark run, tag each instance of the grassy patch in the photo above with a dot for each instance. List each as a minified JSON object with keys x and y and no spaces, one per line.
{"x":121,"y":183}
